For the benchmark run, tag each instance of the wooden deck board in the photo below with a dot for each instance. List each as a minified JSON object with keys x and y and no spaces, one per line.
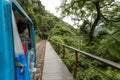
{"x":54,"y":68}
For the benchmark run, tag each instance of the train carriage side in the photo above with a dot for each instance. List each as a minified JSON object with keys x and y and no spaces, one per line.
{"x":7,"y":43}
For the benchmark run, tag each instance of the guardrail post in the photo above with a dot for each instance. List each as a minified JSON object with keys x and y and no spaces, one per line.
{"x":63,"y":52}
{"x":58,"y":48}
{"x":55,"y":47}
{"x":76,"y":64}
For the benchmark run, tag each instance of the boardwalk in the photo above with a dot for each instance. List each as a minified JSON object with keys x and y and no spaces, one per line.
{"x":54,"y":68}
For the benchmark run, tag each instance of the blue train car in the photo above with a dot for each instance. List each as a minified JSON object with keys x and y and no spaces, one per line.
{"x":10,"y":67}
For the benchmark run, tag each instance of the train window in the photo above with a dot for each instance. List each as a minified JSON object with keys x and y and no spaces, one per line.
{"x":23,"y":29}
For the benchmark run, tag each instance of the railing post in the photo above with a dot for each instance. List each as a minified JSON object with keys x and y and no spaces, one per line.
{"x":76,"y":64}
{"x":63,"y":52}
{"x":58,"y":48}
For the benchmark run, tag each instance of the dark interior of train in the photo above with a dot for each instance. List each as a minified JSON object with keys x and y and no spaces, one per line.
{"x":23,"y":28}
{"x":22,"y":23}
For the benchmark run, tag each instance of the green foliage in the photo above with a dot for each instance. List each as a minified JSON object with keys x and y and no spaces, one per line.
{"x":57,"y":39}
{"x":34,"y":9}
{"x":69,"y":61}
{"x":110,"y":47}
{"x":46,"y":24}
{"x":37,"y":38}
{"x":92,"y":13}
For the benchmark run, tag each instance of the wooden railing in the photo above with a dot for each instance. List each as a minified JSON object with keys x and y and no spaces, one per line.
{"x":77,"y":51}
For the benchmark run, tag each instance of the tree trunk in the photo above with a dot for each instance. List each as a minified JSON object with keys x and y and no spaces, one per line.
{"x":91,"y":34}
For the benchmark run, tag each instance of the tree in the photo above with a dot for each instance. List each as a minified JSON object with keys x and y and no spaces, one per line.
{"x":95,"y":12}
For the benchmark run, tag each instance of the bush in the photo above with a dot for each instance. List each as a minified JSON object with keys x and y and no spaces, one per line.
{"x":37,"y":38}
{"x":57,"y":39}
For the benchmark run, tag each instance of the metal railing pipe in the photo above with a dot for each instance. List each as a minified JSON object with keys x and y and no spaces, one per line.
{"x":100,"y":59}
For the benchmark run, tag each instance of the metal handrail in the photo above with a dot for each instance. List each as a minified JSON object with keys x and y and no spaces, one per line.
{"x":110,"y":63}
{"x":100,"y":59}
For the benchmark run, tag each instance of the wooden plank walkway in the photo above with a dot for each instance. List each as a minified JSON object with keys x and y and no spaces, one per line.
{"x":54,"y":68}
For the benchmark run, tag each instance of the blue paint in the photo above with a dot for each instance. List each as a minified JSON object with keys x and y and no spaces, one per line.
{"x":25,"y":75}
{"x":34,"y":44}
{"x":6,"y":51}
{"x":10,"y":39}
{"x":27,"y":53}
{"x":17,"y":7}
{"x":7,"y":68}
